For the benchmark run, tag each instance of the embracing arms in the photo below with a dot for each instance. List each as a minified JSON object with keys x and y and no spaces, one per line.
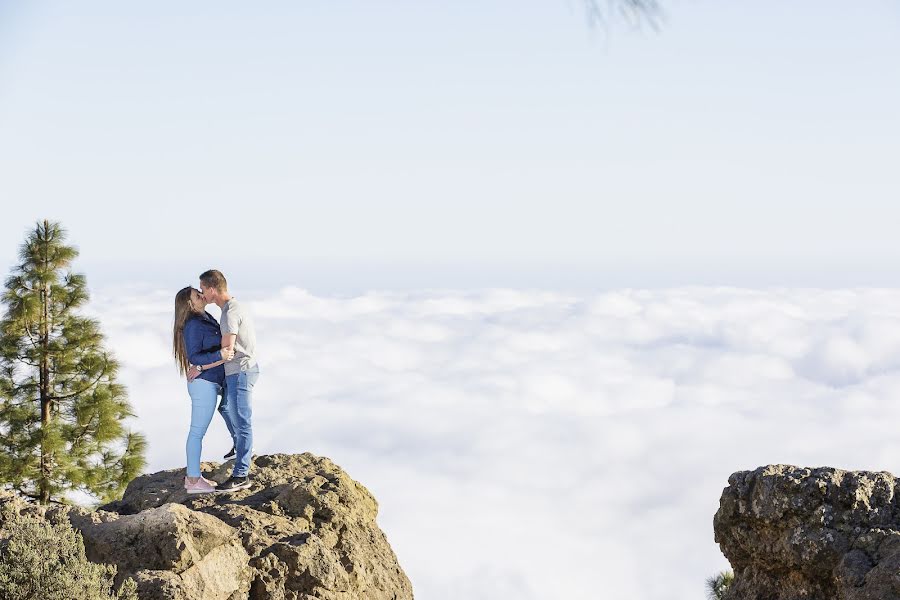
{"x":193,"y":347}
{"x":228,"y":343}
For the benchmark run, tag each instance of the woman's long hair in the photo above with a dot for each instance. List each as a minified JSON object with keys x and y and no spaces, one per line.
{"x":183,"y":312}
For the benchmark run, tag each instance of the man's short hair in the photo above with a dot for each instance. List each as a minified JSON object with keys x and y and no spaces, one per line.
{"x":214,"y":279}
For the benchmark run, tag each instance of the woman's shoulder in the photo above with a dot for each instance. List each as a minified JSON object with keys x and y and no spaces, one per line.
{"x":193,"y":321}
{"x":203,"y":320}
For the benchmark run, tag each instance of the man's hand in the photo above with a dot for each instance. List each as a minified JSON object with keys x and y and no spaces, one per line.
{"x":192,"y":373}
{"x":228,"y":353}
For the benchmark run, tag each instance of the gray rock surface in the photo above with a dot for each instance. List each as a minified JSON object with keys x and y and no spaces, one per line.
{"x":811,"y":533}
{"x":204,"y":555}
{"x":304,"y":530}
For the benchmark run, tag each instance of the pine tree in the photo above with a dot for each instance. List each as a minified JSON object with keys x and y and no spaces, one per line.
{"x":717,"y":585}
{"x":61,"y":409}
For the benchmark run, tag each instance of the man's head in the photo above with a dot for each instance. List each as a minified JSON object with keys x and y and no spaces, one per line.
{"x":213,"y":286}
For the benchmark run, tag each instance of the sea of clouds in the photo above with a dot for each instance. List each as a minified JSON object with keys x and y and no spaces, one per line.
{"x":538,"y":444}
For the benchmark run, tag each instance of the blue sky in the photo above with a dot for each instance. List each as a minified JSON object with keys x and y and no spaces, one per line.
{"x":375,"y":178}
{"x":349,"y":144}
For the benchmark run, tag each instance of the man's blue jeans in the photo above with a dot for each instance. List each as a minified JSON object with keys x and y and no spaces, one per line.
{"x":223,"y":410}
{"x":203,"y":404}
{"x":239,"y":406}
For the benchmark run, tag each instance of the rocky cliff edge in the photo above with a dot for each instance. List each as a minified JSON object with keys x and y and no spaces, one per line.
{"x":304,"y":530}
{"x":811,"y":533}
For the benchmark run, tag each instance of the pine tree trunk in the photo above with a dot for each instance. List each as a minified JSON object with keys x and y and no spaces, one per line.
{"x":45,"y":383}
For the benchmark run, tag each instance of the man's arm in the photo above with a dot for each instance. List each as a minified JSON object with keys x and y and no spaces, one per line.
{"x":193,"y":372}
{"x":228,"y":342}
{"x":231,"y":323}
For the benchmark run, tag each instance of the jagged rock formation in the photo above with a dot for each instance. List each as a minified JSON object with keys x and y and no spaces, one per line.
{"x":305,"y":530}
{"x":795,"y":533}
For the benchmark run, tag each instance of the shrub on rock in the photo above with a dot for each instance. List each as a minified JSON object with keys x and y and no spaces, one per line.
{"x":42,"y":559}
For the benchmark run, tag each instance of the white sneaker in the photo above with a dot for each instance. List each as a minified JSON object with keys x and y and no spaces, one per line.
{"x":201,"y":486}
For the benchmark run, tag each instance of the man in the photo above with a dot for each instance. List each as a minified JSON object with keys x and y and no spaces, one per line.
{"x":241,"y":374}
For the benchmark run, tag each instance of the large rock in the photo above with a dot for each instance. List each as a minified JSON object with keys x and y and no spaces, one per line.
{"x":811,"y":533}
{"x":304,"y":530}
{"x":202,"y":556}
{"x":308,"y":528}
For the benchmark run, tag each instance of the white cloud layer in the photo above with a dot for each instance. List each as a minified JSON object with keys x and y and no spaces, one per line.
{"x":532,"y":444}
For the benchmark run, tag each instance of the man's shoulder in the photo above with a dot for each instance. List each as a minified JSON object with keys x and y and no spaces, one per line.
{"x":234,"y":307}
{"x":232,"y":304}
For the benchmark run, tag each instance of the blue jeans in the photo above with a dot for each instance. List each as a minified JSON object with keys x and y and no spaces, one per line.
{"x":226,"y":416}
{"x":239,"y":396}
{"x":203,"y":404}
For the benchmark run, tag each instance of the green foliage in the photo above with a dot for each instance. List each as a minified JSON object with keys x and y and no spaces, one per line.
{"x":61,"y":409}
{"x":717,"y":586}
{"x":47,"y":561}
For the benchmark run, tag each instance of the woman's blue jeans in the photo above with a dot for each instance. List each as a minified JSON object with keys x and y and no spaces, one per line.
{"x":203,"y":405}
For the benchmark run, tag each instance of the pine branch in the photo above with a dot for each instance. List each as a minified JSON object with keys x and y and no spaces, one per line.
{"x":23,"y":359}
{"x":28,"y":332}
{"x":633,"y":11}
{"x":81,"y":391}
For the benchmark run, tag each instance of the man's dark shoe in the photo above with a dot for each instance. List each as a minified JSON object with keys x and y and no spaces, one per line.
{"x":233,"y":453}
{"x":233,"y":484}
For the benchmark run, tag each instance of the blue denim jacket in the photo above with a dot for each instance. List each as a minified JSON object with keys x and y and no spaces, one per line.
{"x":203,"y":344}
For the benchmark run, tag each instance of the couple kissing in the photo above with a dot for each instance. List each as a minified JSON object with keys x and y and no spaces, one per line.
{"x":219,"y":363}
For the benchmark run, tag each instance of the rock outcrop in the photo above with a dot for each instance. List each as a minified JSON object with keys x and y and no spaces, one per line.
{"x":811,"y":533}
{"x":304,"y":530}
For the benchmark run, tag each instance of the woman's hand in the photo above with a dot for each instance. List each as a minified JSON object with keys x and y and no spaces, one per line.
{"x":192,"y":373}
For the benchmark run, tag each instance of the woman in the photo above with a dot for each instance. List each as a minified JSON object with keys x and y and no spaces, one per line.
{"x":197,"y":343}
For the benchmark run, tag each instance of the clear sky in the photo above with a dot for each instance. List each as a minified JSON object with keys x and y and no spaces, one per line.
{"x":459,"y":142}
{"x":382,"y":149}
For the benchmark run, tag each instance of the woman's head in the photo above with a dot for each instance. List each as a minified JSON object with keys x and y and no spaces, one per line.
{"x":188,"y":302}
